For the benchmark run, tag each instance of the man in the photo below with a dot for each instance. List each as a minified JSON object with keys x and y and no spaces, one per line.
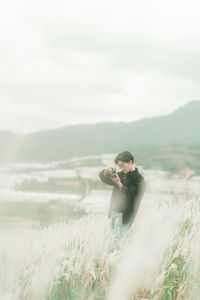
{"x":129,"y":188}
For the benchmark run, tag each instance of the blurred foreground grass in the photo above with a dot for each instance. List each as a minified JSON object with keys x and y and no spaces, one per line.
{"x":159,"y":258}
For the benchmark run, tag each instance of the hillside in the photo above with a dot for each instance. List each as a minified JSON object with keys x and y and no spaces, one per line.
{"x":178,"y":129}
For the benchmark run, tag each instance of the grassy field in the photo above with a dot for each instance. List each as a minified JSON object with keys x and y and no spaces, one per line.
{"x":159,"y":257}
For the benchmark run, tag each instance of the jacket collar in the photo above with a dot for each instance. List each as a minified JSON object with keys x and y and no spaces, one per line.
{"x":132,"y":173}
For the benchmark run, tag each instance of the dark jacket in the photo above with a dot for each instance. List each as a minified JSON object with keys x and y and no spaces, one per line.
{"x":126,"y":200}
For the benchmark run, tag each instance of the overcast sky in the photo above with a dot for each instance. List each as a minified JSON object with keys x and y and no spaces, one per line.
{"x":81,"y":61}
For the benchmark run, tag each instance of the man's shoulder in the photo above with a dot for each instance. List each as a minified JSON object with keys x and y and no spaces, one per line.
{"x":139,"y":177}
{"x":141,"y":174}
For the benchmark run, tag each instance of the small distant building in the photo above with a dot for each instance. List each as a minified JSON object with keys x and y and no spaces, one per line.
{"x":183,"y":174}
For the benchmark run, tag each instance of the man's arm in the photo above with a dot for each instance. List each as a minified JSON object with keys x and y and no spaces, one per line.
{"x":106,"y":178}
{"x":134,"y":191}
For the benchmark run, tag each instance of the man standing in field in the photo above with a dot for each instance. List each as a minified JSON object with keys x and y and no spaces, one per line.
{"x":129,"y":188}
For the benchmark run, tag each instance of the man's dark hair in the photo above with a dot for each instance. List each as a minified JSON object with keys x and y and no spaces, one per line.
{"x":124,"y":156}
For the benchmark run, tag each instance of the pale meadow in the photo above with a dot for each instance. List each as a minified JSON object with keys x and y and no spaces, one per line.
{"x":159,"y":257}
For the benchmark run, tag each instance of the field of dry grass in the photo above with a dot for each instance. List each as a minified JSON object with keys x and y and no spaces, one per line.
{"x":159,"y":256}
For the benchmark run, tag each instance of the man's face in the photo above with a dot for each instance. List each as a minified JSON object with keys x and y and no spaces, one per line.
{"x":124,"y":166}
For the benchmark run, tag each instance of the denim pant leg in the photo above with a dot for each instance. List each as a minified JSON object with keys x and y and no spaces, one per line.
{"x":118,"y":228}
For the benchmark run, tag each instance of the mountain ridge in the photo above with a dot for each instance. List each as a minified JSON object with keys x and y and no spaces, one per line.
{"x":179,"y":128}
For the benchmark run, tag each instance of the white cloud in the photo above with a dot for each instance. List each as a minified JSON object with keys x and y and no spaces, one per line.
{"x":69,"y":62}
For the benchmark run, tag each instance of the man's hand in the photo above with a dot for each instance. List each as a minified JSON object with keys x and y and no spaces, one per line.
{"x":108,"y":170}
{"x":117,"y":181}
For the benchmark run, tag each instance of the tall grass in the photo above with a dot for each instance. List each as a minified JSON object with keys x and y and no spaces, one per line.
{"x":159,"y":257}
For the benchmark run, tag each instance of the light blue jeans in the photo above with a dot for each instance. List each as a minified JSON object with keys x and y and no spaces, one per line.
{"x":118,"y":229}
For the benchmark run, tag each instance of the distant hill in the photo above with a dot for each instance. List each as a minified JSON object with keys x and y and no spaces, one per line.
{"x":172,"y":159}
{"x":178,"y":129}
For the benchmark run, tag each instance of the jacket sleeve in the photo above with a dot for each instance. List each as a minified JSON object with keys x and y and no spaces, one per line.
{"x":135,"y":191}
{"x":106,"y":178}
